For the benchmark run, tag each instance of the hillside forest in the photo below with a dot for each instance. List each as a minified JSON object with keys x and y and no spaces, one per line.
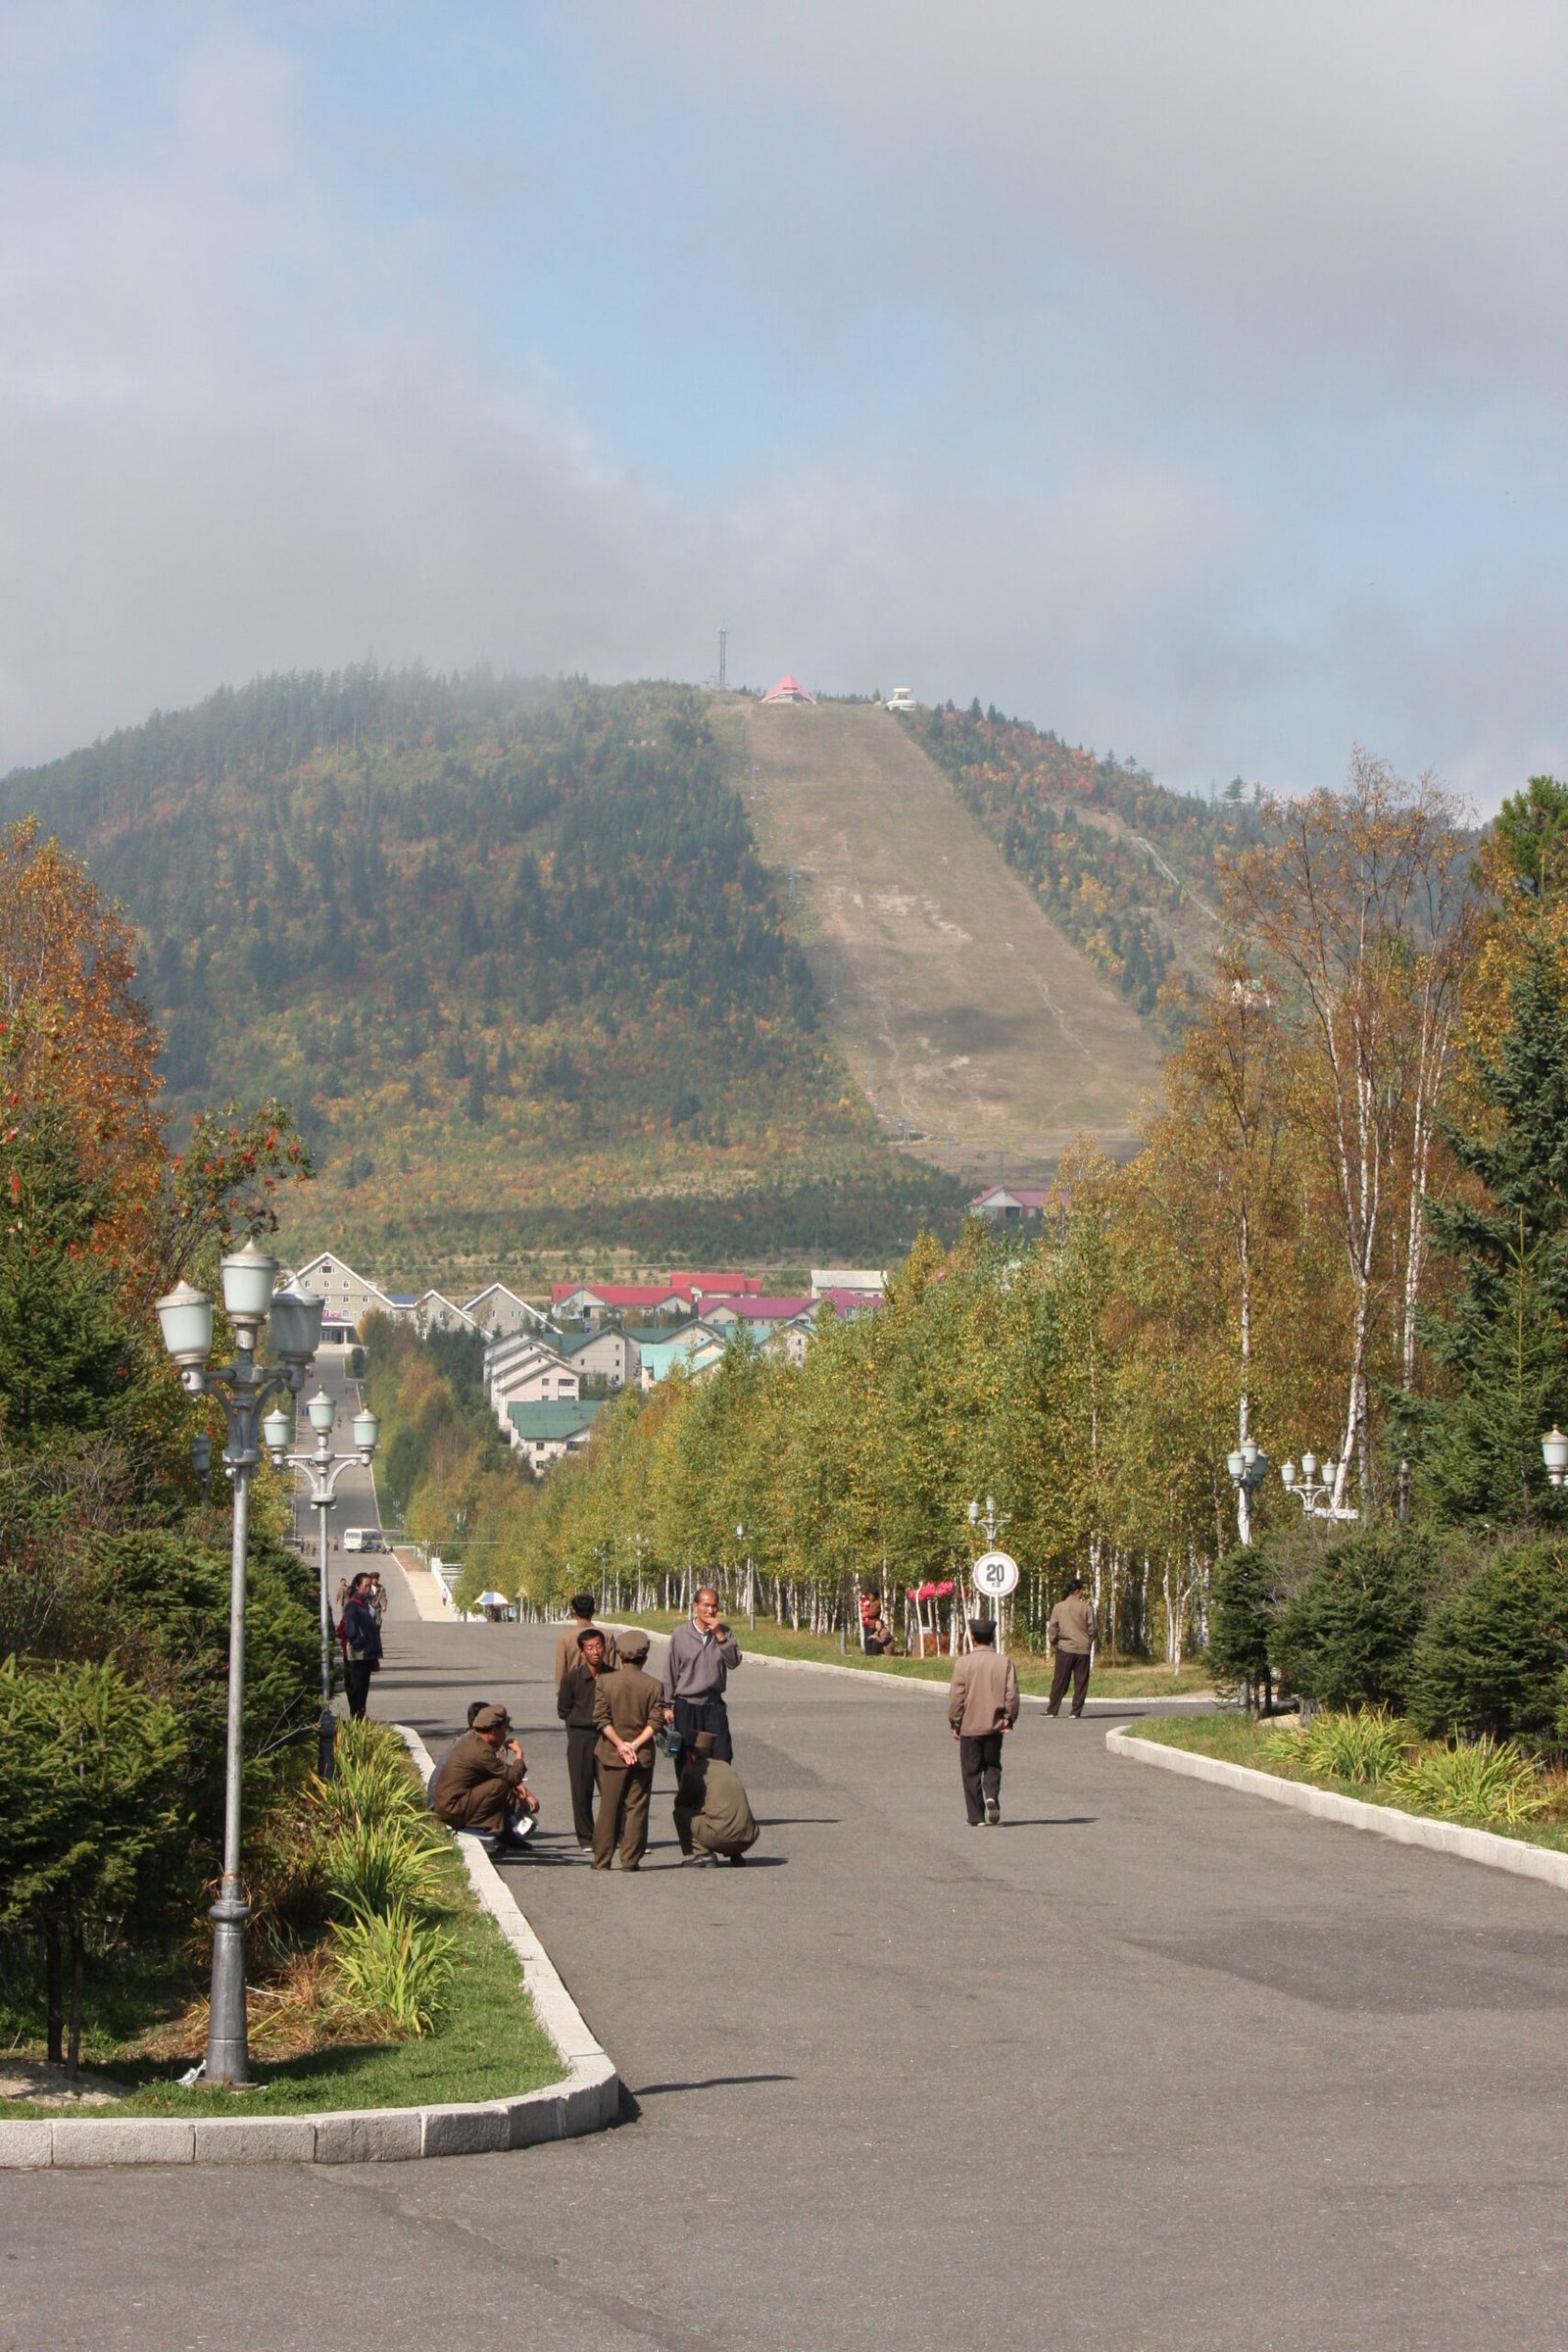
{"x":1347,"y":1231}
{"x":508,"y":950}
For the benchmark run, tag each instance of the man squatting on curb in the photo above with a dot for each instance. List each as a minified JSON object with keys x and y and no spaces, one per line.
{"x":703,"y":1655}
{"x":982,"y":1707}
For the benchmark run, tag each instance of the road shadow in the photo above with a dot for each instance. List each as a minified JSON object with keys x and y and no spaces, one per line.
{"x":1051,"y":1821}
{"x":797,"y":1821}
{"x":631,"y":2100}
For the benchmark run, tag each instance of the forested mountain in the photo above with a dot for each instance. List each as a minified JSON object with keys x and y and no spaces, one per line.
{"x":1128,"y":869}
{"x":507,"y":947}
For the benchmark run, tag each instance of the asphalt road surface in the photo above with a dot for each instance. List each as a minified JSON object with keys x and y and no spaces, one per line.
{"x":1150,"y":2066}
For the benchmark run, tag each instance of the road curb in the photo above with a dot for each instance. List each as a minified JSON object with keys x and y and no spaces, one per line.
{"x":586,"y":2099}
{"x":1352,"y":1812}
{"x":869,"y":1679}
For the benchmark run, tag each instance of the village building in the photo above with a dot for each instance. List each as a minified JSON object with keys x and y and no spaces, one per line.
{"x":435,"y":1311}
{"x":870,"y":1279}
{"x":543,"y":1432}
{"x":1009,"y":1203}
{"x":606,"y":1354}
{"x":347,"y":1298}
{"x":695,"y":1348}
{"x":788,"y":690}
{"x":496,"y":1308}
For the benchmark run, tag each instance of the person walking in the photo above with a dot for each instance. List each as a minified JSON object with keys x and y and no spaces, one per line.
{"x":703,"y":1655}
{"x":1071,"y":1633}
{"x":982,"y":1707}
{"x":712,"y":1817}
{"x":574,"y":1704}
{"x":628,"y":1709}
{"x":361,"y":1636}
{"x":582,"y":1606}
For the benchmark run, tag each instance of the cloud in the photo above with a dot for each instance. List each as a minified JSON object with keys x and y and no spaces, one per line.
{"x":1188,"y":379}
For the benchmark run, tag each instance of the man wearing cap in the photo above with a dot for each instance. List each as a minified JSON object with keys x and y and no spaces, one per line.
{"x":703,"y":1655}
{"x":582,"y":1606}
{"x":982,"y":1707}
{"x":628,"y":1709}
{"x":480,"y":1783}
{"x":1071,"y":1633}
{"x":712,"y":1817}
{"x":574,"y":1704}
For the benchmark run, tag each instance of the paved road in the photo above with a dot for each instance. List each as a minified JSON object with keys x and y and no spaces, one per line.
{"x":1153,"y":2066}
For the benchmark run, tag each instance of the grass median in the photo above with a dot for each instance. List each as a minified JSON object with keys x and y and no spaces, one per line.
{"x":1120,"y":1679}
{"x":377,"y":1978}
{"x":1286,"y":1753}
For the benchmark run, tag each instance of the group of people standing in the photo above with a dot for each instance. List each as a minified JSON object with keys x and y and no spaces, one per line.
{"x":616,"y":1716}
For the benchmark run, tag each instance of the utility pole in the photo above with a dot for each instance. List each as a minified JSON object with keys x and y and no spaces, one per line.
{"x":723,"y":660}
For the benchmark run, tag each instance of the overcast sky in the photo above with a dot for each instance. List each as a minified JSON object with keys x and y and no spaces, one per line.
{"x":1189,"y":377}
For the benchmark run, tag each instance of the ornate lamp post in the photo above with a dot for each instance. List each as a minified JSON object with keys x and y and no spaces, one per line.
{"x":990,"y":1519}
{"x":324,"y":1468}
{"x":243,"y":1388}
{"x":1555,"y":1453}
{"x":1315,"y":1494}
{"x":1249,"y":1467}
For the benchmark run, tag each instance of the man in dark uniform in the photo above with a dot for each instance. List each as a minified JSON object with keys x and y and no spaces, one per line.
{"x":712,"y":1817}
{"x":480,"y":1783}
{"x":628,"y":1709}
{"x":574,"y":1704}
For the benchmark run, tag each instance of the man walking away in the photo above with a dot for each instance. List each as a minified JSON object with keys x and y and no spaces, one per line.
{"x":480,"y":1783}
{"x":628,"y":1709}
{"x":1071,"y":1633}
{"x":361,"y":1636}
{"x":567,"y":1654}
{"x":982,"y":1707}
{"x":712,"y":1817}
{"x":574,"y":1704}
{"x":703,"y":1655}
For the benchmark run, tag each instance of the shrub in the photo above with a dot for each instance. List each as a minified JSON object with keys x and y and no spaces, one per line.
{"x":1241,"y":1618}
{"x":377,"y":1867}
{"x":394,"y":1966}
{"x":1493,"y":1653}
{"x":1347,"y":1636}
{"x":1482,"y":1781}
{"x":1363,"y":1748}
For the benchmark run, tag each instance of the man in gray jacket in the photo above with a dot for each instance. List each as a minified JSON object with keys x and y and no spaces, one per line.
{"x":982,"y":1707}
{"x":1071,"y":1633}
{"x":703,"y":1655}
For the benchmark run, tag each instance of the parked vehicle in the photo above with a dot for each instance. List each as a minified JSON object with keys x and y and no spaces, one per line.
{"x":363,"y":1539}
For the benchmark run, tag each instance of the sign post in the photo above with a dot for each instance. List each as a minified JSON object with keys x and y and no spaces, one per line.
{"x":994,"y":1576}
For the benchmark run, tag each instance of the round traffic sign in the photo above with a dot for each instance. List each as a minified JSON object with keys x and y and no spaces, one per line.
{"x":995,"y":1575}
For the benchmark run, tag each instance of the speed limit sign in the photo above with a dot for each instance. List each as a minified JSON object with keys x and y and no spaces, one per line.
{"x":995,"y":1575}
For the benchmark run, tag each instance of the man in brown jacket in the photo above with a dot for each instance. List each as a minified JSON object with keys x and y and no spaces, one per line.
{"x":982,"y":1707}
{"x":480,"y":1783}
{"x":629,"y":1709}
{"x":1071,"y":1633}
{"x":711,"y":1814}
{"x":583,"y":1606}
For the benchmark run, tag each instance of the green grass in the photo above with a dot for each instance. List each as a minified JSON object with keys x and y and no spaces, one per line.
{"x":488,"y":2045}
{"x":1237,"y":1740}
{"x":1135,"y":1679}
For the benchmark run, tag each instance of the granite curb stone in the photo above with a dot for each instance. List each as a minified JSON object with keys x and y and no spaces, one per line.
{"x":1449,"y":1838}
{"x":586,"y":2100}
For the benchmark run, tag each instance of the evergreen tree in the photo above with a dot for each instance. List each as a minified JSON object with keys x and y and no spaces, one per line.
{"x":1504,"y":1339}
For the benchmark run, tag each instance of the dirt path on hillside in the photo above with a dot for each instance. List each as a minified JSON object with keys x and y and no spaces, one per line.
{"x":959,"y":1006}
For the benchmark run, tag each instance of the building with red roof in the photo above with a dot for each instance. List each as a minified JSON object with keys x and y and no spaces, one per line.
{"x":788,"y":690}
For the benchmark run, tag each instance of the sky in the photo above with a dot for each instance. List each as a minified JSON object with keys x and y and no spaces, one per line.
{"x":1188,"y":378}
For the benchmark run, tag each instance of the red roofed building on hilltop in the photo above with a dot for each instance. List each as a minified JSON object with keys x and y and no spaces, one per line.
{"x":788,"y":690}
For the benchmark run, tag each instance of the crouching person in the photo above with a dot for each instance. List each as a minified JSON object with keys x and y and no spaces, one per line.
{"x":628,"y":1709}
{"x":480,"y":1783}
{"x":713,"y":1818}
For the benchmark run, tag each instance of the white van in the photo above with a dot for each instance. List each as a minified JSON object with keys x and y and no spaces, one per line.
{"x":363,"y":1538}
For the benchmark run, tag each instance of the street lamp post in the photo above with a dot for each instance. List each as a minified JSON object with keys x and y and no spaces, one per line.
{"x":324,"y":1468}
{"x":243,"y":1388}
{"x":1555,"y":1453}
{"x":1249,"y":1467}
{"x":990,"y":1519}
{"x":1315,"y":1494}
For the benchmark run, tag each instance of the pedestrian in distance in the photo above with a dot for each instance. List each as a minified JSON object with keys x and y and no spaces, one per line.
{"x":982,"y":1708}
{"x":628,"y":1710}
{"x":361,"y":1636}
{"x":703,"y":1655}
{"x":583,"y":1608}
{"x":480,"y":1785}
{"x":1071,"y":1633}
{"x":574,"y":1704}
{"x":712,"y":1817}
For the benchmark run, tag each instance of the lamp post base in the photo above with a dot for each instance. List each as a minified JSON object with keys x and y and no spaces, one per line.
{"x":227,"y":2045}
{"x":326,"y":1745}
